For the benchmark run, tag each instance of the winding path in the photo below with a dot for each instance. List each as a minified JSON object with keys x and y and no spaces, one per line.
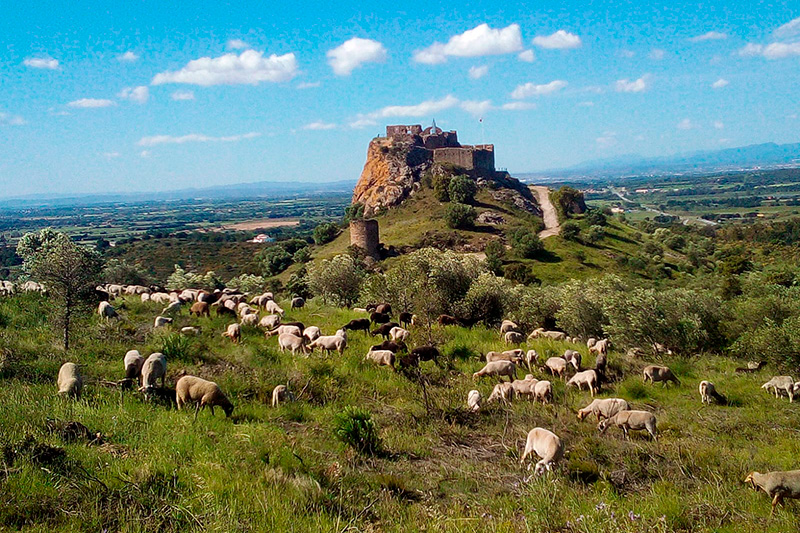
{"x":549,"y":214}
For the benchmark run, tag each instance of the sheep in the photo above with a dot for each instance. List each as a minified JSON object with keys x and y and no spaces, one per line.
{"x":605,"y":408}
{"x":588,"y":378}
{"x":154,"y":367}
{"x":752,"y":366}
{"x":173,"y":308}
{"x":203,"y":393}
{"x":362,"y":324}
{"x":547,"y":445}
{"x":70,"y":381}
{"x":391,"y":345}
{"x":161,"y":321}
{"x":513,"y":337}
{"x":600,"y":363}
{"x":555,"y":335}
{"x":447,"y":320}
{"x":425,"y":353}
{"x":191,"y":330}
{"x":599,"y":347}
{"x":200,"y":309}
{"x":780,"y":384}
{"x":249,"y":320}
{"x":399,"y":334}
{"x":379,"y":318}
{"x":385,"y":329}
{"x":543,"y":391}
{"x":382,"y":357}
{"x":133,"y":363}
{"x":405,"y":319}
{"x":501,"y":356}
{"x":341,"y":333}
{"x":245,"y":310}
{"x":708,"y":392}
{"x":531,"y":357}
{"x":474,"y":400}
{"x":663,"y":374}
{"x":233,"y":332}
{"x":298,"y":303}
{"x":329,"y":343}
{"x":573,"y":357}
{"x":281,"y":394}
{"x":556,"y":365}
{"x":105,"y":310}
{"x":311,"y":333}
{"x":497,"y":368}
{"x":274,"y":308}
{"x":270,"y":321}
{"x":160,"y":298}
{"x":507,"y":326}
{"x":145,"y":297}
{"x":777,"y":485}
{"x":291,"y":342}
{"x":524,"y":387}
{"x":502,"y":392}
{"x":627,"y":420}
{"x":286,"y":328}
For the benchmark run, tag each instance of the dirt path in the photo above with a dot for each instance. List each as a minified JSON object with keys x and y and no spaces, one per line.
{"x":548,"y":211}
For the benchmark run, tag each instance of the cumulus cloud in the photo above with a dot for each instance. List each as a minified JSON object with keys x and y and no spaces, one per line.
{"x":193,"y":138}
{"x":236,"y":44}
{"x":7,"y":119}
{"x":709,"y":36}
{"x":478,"y":72}
{"x":518,"y":106}
{"x":362,"y":123}
{"x":308,"y":85}
{"x":91,"y":103}
{"x":135,"y":94}
{"x":422,"y":109}
{"x":656,"y":54}
{"x":531,"y":89}
{"x":319,"y":125}
{"x":127,"y":57}
{"x":250,"y":67}
{"x":790,"y":30}
{"x":476,"y":108}
{"x":775,"y":50}
{"x":685,"y":124}
{"x":182,"y":95}
{"x":636,"y":86}
{"x":527,"y":56}
{"x":720,"y":83}
{"x":479,"y":41}
{"x":41,"y":62}
{"x":353,"y":53}
{"x":560,"y":40}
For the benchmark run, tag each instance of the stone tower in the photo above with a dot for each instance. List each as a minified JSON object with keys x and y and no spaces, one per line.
{"x":364,"y":234}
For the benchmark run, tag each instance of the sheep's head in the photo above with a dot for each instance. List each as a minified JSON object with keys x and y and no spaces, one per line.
{"x":582,"y":415}
{"x":541,"y":468}
{"x":751,"y":479}
{"x":228,"y":409}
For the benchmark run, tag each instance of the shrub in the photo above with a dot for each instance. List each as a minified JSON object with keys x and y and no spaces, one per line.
{"x":326,"y":232}
{"x":570,"y":231}
{"x":353,"y":212}
{"x":567,"y":201}
{"x":526,"y":243}
{"x":248,"y":283}
{"x":595,"y":234}
{"x":337,"y":280}
{"x":494,"y":257}
{"x":176,"y":346}
{"x":441,"y":187}
{"x":355,"y":427}
{"x":595,"y":217}
{"x":462,"y":189}
{"x":274,"y":260}
{"x":460,"y":216}
{"x":520,"y":273}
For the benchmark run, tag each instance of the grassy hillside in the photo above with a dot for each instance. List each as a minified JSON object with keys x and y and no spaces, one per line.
{"x":440,"y":468}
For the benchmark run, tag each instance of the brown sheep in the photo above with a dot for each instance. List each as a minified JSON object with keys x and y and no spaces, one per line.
{"x":203,"y":393}
{"x":200,"y":309}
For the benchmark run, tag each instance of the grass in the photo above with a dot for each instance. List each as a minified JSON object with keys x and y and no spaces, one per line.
{"x":440,"y":467}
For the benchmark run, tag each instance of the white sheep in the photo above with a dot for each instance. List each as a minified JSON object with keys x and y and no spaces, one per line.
{"x":573,"y":357}
{"x":510,"y":355}
{"x":172,"y":309}
{"x":153,"y":368}
{"x":249,"y":320}
{"x":274,"y":308}
{"x":627,"y":420}
{"x":270,"y":321}
{"x":531,"y":358}
{"x":604,"y":408}
{"x":547,"y":446}
{"x":399,"y":334}
{"x":555,"y":335}
{"x":780,"y":384}
{"x":497,"y":368}
{"x":329,"y":343}
{"x":514,"y":337}
{"x":507,"y":326}
{"x":70,"y":382}
{"x":543,"y":391}
{"x":474,"y":401}
{"x":145,"y":297}
{"x":556,"y":366}
{"x":502,"y":392}
{"x":535,"y":334}
{"x":203,"y":393}
{"x":311,"y":333}
{"x":105,"y":310}
{"x":591,"y":341}
{"x":288,"y":341}
{"x":600,"y":347}
{"x":133,"y":362}
{"x":192,"y":331}
{"x":285,"y":329}
{"x":655,"y":373}
{"x":524,"y":388}
{"x":161,"y":321}
{"x":588,"y":378}
{"x":233,"y":332}
{"x":281,"y":394}
{"x":777,"y":485}
{"x":382,"y":357}
{"x":709,"y":392}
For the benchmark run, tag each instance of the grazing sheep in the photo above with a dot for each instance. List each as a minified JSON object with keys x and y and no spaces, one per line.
{"x":234,"y":333}
{"x":502,"y":392}
{"x":708,"y":392}
{"x":105,"y":310}
{"x":154,"y":367}
{"x":524,"y":387}
{"x":780,"y":384}
{"x":386,"y":309}
{"x":752,"y":366}
{"x":385,"y":330}
{"x":405,"y":319}
{"x":556,"y":366}
{"x":426,"y":353}
{"x":503,"y":356}
{"x":329,"y":343}
{"x":547,"y":445}
{"x":591,"y":341}
{"x":161,"y":321}
{"x":497,"y":368}
{"x":588,"y":378}
{"x":70,"y":381}
{"x":298,"y":303}
{"x":223,"y":310}
{"x":391,"y":345}
{"x":531,"y":357}
{"x":274,"y":308}
{"x":382,"y":357}
{"x":289,"y":341}
{"x":627,"y":420}
{"x":270,"y":321}
{"x":513,"y":337}
{"x":358,"y":324}
{"x":172,"y":309}
{"x":447,"y":320}
{"x":600,"y":363}
{"x":605,"y":408}
{"x":249,"y":320}
{"x":133,"y":363}
{"x":191,"y":330}
{"x":535,"y":334}
{"x":311,"y":333}
{"x":281,"y":394}
{"x":379,"y":318}
{"x":200,"y":309}
{"x":474,"y":399}
{"x":203,"y":393}
{"x":543,"y":391}
{"x":574,"y":358}
{"x":555,"y":335}
{"x":600,"y":347}
{"x":507,"y":326}
{"x":663,"y":374}
{"x":399,"y":334}
{"x":777,"y":485}
{"x":286,"y":328}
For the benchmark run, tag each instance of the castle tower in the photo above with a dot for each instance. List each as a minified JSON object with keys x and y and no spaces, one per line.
{"x":364,"y":234}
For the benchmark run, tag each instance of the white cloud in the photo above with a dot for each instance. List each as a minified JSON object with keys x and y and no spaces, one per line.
{"x":135,"y":94}
{"x":518,"y":106}
{"x":790,"y":30}
{"x":422,"y":109}
{"x":111,"y":155}
{"x":41,"y":62}
{"x":7,"y":119}
{"x":685,"y":124}
{"x":319,"y":125}
{"x":720,"y":83}
{"x":560,"y":40}
{"x":478,"y":72}
{"x":718,"y":124}
{"x":607,"y":140}
{"x":479,"y":41}
{"x":710,"y":36}
{"x":236,"y":44}
{"x":476,"y":108}
{"x":635,"y":86}
{"x":656,"y":54}
{"x":362,"y":123}
{"x":182,"y":95}
{"x":353,"y":53}
{"x":91,"y":102}
{"x":250,"y":67}
{"x":193,"y":137}
{"x":527,"y":56}
{"x":127,"y":57}
{"x":530,"y":89}
{"x":627,"y":53}
{"x":308,"y":85}
{"x":144,"y":154}
{"x":772,"y":50}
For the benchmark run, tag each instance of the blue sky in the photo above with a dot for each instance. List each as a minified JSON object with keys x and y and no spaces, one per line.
{"x":146,"y":95}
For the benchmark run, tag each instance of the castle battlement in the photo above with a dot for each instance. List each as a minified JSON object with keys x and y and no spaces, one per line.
{"x":445,"y":146}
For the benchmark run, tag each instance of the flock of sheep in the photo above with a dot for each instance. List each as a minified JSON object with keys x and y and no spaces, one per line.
{"x":296,"y":337}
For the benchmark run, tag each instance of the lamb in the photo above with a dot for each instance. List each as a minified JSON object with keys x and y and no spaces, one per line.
{"x":193,"y":331}
{"x":234,"y":333}
{"x":405,"y":319}
{"x":627,"y":420}
{"x":780,"y":384}
{"x":474,"y":399}
{"x":362,"y":324}
{"x":274,"y":308}
{"x":281,"y":394}
{"x":599,"y":347}
{"x":503,"y":356}
{"x":173,"y":308}
{"x":708,"y":392}
{"x":513,"y":337}
{"x":203,"y":393}
{"x":161,"y":321}
{"x":289,"y":341}
{"x":298,"y":303}
{"x":154,"y":367}
{"x":105,"y":310}
{"x":588,"y":378}
{"x":329,"y":343}
{"x":574,"y":358}
{"x":70,"y":382}
{"x":497,"y":368}
{"x":777,"y":485}
{"x":133,"y":366}
{"x":200,"y":309}
{"x":507,"y":326}
{"x":547,"y":445}
{"x":556,"y":365}
{"x":605,"y":408}
{"x":382,"y":357}
{"x":655,"y":373}
{"x":502,"y":392}
{"x":286,"y":328}
{"x":399,"y":334}
{"x":249,"y":320}
{"x":270,"y":321}
{"x":543,"y":391}
{"x":311,"y":333}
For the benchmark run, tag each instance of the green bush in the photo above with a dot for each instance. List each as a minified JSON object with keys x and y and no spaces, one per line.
{"x":570,"y":231}
{"x":441,"y":187}
{"x":519,"y":273}
{"x":460,"y":216}
{"x":495,"y":251}
{"x":326,"y":232}
{"x":595,"y":234}
{"x":176,"y":346}
{"x":355,"y":427}
{"x":526,"y":243}
{"x":462,"y":190}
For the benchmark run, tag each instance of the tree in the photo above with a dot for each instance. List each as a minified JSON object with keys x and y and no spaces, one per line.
{"x":595,"y":234}
{"x":274,"y":260}
{"x":337,"y":280}
{"x":519,"y":273}
{"x":326,"y":232}
{"x":460,"y":216}
{"x":298,"y":284}
{"x":570,"y":231}
{"x":353,"y":212}
{"x":596,"y":217}
{"x":567,"y":201}
{"x":526,"y":243}
{"x":495,"y":251}
{"x":462,"y":189}
{"x":441,"y":187}
{"x":69,"y":272}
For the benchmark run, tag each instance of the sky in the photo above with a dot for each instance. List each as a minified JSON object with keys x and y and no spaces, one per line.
{"x":152,"y":95}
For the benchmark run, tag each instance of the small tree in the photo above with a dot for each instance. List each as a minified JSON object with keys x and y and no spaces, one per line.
{"x":570,"y":231}
{"x":274,"y":260}
{"x":495,"y":251}
{"x":462,"y":189}
{"x":526,"y":243}
{"x":460,"y":216}
{"x":326,"y":232}
{"x":69,"y":272}
{"x":595,"y":234}
{"x":567,"y":201}
{"x":337,"y":280}
{"x":441,"y":187}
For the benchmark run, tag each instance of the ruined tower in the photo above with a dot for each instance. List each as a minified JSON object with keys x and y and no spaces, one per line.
{"x":364,"y":234}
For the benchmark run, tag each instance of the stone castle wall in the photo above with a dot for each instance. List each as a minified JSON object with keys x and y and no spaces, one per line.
{"x":365,"y":235}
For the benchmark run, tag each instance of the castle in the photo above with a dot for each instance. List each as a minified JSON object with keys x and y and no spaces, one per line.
{"x":445,"y":146}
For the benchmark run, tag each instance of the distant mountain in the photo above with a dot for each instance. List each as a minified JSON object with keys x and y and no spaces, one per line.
{"x":261,"y":189}
{"x":743,"y":157}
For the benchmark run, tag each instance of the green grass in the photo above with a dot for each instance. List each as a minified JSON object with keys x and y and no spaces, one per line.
{"x":440,"y":468}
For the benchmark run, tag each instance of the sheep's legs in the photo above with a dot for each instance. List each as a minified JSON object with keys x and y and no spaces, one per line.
{"x":196,"y":410}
